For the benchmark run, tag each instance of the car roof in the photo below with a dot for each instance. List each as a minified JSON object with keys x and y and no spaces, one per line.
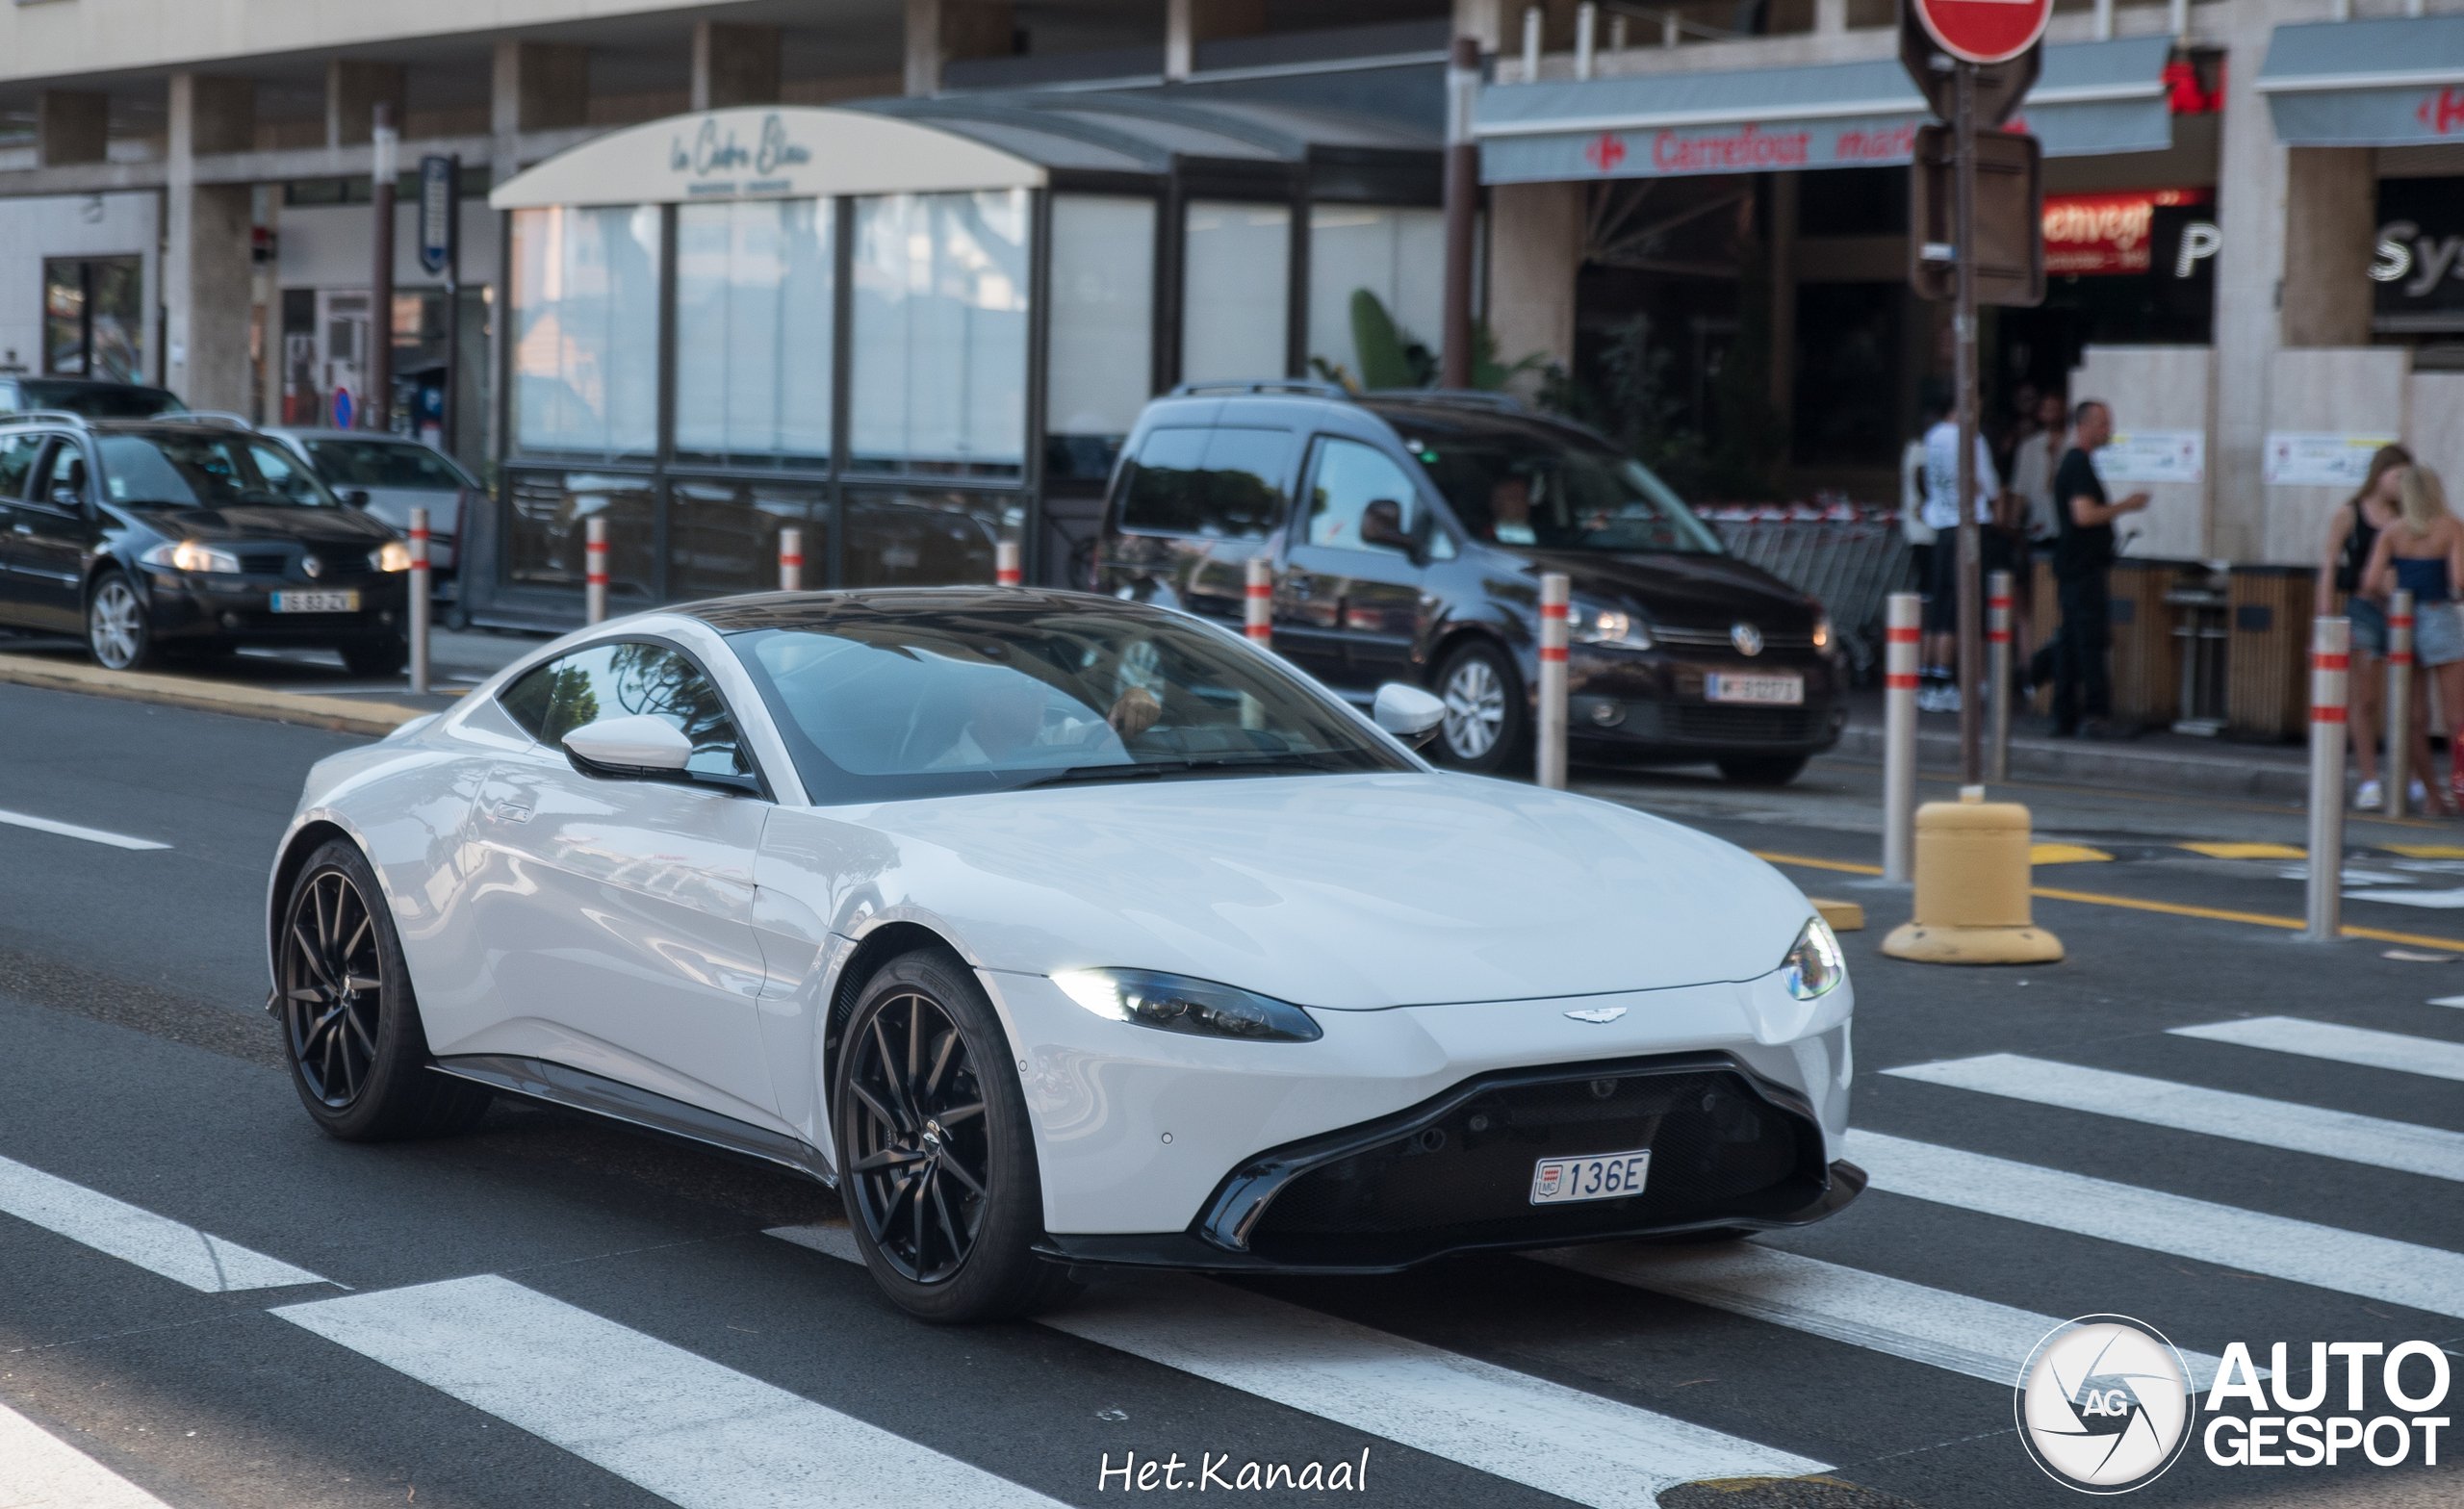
{"x":377,"y":436}
{"x":986,"y":606}
{"x":1426,"y":411}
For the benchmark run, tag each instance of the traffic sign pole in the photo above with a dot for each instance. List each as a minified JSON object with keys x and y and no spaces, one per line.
{"x":1971,"y":625}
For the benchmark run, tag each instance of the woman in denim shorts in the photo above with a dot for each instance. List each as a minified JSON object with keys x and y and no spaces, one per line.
{"x":2352,"y":531}
{"x":2422,"y":553}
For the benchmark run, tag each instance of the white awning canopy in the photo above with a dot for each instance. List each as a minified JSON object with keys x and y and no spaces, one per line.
{"x":2093,"y":98}
{"x":765,"y":151}
{"x":2388,"y":83}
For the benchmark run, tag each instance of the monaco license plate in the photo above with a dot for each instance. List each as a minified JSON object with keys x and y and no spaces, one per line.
{"x":1781,"y":690}
{"x":316,"y":601}
{"x":1594,"y":1176}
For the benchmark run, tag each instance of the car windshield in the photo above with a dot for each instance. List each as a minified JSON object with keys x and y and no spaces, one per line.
{"x":967,"y":701}
{"x":98,"y":400}
{"x":1558,"y":495}
{"x":207,"y":471}
{"x":383,"y":462}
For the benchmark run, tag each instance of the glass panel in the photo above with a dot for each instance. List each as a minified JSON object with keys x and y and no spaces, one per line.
{"x":119,"y":285}
{"x":1351,"y":478}
{"x":625,"y":680}
{"x":941,"y":336}
{"x":1225,"y":483}
{"x":920,"y":539}
{"x":1399,"y":258}
{"x":64,"y":318}
{"x":551,"y":512}
{"x":722,"y":534}
{"x":585,"y":307}
{"x":1103,"y":329}
{"x":1234,"y":291}
{"x":753,"y":337}
{"x":17,"y":454}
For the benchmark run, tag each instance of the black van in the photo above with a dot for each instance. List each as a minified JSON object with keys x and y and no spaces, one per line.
{"x":1426,"y":521}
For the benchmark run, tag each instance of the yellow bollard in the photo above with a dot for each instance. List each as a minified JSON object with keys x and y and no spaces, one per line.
{"x":1972,"y":887}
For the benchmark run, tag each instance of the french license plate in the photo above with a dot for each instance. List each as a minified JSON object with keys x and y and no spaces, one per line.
{"x":1788,"y":691}
{"x":316,"y":601}
{"x":1594,"y":1176}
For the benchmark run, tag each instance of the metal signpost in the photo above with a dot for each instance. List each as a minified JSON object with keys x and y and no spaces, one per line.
{"x":440,"y":253}
{"x":1972,"y":57}
{"x":376,"y":402}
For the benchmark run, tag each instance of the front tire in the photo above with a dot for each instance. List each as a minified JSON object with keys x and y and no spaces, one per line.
{"x":1763,"y":770}
{"x":939,"y":1166}
{"x":1486,"y":719}
{"x":385,"y":656}
{"x":117,"y":628}
{"x":358,"y":1054}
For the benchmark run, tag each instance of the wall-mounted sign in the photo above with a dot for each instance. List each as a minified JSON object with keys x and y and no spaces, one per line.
{"x":2104,"y":234}
{"x":437,"y":190}
{"x":2419,"y":266}
{"x":2306,"y":458}
{"x":2153,"y":455}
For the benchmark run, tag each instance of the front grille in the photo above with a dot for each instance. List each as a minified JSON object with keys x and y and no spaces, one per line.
{"x":354,"y":564}
{"x":1466,"y":1178}
{"x":1718,"y":638}
{"x":1714,"y":723}
{"x":263,"y":563}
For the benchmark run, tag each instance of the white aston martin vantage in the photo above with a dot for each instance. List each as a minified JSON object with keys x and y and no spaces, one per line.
{"x":1056,"y":931}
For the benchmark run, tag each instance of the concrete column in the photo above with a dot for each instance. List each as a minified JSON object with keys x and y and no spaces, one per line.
{"x":734,"y":66}
{"x":1180,"y":39}
{"x":1829,"y":17}
{"x":2331,"y":221}
{"x":206,"y":240}
{"x":940,"y":31}
{"x":353,"y":90}
{"x":1784,"y":298}
{"x":924,"y":47}
{"x":1484,"y":20}
{"x":538,"y":87}
{"x":2249,"y":273}
{"x":1535,"y":249}
{"x":71,"y":126}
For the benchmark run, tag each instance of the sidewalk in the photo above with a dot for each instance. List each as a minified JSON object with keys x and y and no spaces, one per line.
{"x":2159,"y":761}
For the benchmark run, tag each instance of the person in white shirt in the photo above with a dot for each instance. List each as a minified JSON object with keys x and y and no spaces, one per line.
{"x":1940,"y":691}
{"x":1912,"y":526}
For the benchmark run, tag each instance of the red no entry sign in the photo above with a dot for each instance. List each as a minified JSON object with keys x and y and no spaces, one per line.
{"x":1983,"y":31}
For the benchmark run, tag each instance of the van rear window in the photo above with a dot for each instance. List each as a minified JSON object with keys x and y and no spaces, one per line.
{"x":1226,"y":483}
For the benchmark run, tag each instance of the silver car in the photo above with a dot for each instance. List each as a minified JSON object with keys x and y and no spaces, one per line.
{"x":388,"y":475}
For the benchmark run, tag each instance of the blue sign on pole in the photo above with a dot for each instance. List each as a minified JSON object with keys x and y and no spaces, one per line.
{"x":436,"y":212}
{"x":342,"y":408}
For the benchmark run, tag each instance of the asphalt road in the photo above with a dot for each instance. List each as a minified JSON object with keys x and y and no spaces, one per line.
{"x":549,"y":1312}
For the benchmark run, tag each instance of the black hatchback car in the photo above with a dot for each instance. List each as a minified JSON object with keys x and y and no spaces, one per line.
{"x":150,"y":536}
{"x":1424,"y":524}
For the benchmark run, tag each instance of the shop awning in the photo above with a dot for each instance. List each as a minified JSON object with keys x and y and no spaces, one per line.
{"x":2389,"y":83}
{"x":2093,"y":98}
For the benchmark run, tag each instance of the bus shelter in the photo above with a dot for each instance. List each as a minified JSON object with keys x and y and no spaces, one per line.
{"x":909,"y":328}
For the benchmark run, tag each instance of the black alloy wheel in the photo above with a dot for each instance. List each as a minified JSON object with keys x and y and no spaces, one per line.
{"x":939,"y":1167}
{"x":358,"y":1054}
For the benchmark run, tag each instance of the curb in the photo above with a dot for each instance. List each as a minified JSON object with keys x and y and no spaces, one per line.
{"x":2117,"y":765}
{"x":335,"y":714}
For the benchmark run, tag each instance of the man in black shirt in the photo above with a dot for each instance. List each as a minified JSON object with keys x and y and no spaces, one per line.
{"x":2081,"y":554}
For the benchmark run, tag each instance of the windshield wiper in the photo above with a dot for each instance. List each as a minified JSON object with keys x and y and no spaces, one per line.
{"x":1151,"y":770}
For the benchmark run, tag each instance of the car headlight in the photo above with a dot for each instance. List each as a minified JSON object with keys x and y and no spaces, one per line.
{"x":1590,"y":623}
{"x":1178,"y":1004}
{"x":1815,"y":963}
{"x":392,"y":556}
{"x":192,"y":555}
{"x":1822,"y":631}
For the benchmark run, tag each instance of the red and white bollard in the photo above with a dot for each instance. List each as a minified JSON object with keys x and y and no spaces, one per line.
{"x":595,"y":582}
{"x":2395,"y":716}
{"x":1902,"y":622}
{"x":791,"y":561}
{"x":418,"y":601}
{"x":1997,"y":638}
{"x":2330,"y":676}
{"x":1556,"y":589}
{"x":1006,"y":571}
{"x":1257,"y":607}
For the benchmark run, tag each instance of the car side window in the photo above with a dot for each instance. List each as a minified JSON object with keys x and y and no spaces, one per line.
{"x":67,"y":469}
{"x":621,"y":680}
{"x":1222,"y":483}
{"x":17,"y":456}
{"x":1357,"y":488}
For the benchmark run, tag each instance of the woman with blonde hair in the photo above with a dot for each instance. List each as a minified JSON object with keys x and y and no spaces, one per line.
{"x":2422,"y":553}
{"x":2352,"y":531}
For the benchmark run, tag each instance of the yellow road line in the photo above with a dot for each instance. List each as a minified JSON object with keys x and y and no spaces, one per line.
{"x":2065,"y":853}
{"x":2427,"y":851}
{"x":2246,"y":851}
{"x":2133,"y":904}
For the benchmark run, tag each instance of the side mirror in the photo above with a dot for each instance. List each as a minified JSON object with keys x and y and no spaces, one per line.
{"x":357,"y":497}
{"x":640,"y":747}
{"x":1381,"y":523}
{"x":1408,"y":713}
{"x":66,"y":498}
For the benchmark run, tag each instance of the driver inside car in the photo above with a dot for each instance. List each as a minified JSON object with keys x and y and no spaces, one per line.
{"x":1006,"y":720}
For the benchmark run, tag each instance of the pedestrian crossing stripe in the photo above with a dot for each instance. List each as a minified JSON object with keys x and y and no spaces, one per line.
{"x":2361,"y":1046}
{"x":1581,"y":1446}
{"x":2399,"y":1145}
{"x":42,"y":1470}
{"x":154,"y":1243}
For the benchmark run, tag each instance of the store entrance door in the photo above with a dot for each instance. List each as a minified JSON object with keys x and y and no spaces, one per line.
{"x":342,"y":335}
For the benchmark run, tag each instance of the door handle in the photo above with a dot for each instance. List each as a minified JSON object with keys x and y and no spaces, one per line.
{"x":509,"y":811}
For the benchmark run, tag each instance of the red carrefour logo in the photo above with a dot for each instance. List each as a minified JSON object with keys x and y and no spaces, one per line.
{"x":1605,"y":151}
{"x":1985,"y":31}
{"x":2442,"y":111}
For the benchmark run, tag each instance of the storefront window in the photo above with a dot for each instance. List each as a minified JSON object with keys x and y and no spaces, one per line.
{"x":1236,"y":285}
{"x":551,"y":520}
{"x":723,"y":535}
{"x":940,"y":375}
{"x":752,"y":336}
{"x":1103,"y":318}
{"x":586,"y":306}
{"x":93,"y":317}
{"x":1399,"y":258}
{"x":912,"y":538}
